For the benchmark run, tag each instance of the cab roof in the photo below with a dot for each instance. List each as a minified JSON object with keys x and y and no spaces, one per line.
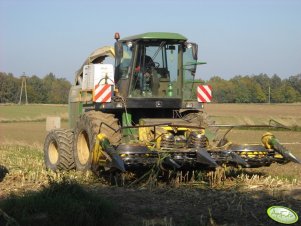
{"x":156,"y":35}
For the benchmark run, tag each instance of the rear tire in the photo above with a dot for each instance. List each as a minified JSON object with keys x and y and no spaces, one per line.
{"x":58,"y":150}
{"x":85,"y":134}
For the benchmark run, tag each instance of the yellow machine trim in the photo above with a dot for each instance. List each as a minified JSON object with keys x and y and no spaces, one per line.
{"x":265,"y":139}
{"x":278,"y":156}
{"x":252,"y":154}
{"x":145,"y":134}
{"x":98,"y":154}
{"x":169,"y":128}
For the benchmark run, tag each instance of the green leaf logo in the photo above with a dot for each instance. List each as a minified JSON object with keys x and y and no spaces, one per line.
{"x":282,"y":214}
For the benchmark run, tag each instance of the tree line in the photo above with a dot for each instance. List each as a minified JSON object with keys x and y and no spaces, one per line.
{"x":239,"y":89}
{"x":47,"y":90}
{"x":255,"y":89}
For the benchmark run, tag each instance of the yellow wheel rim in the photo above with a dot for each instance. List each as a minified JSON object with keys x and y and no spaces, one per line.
{"x":53,"y":153}
{"x":83,"y":152}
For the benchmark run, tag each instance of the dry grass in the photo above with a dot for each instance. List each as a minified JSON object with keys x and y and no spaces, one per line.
{"x":219,"y":199}
{"x":287,"y":114}
{"x":24,"y":133}
{"x":31,"y":112}
{"x":26,"y":170}
{"x":26,"y":124}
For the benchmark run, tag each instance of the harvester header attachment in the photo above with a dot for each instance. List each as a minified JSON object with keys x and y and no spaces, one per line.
{"x":177,"y":147}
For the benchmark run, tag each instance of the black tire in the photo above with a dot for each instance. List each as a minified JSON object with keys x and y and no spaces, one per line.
{"x":3,"y":172}
{"x":85,"y":133}
{"x":58,"y":150}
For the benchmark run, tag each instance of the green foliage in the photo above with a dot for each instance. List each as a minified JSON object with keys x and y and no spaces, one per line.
{"x":48,"y":90}
{"x":59,"y":91}
{"x":295,"y":82}
{"x":256,"y":88}
{"x":222,"y":90}
{"x":239,"y":89}
{"x":9,"y":87}
{"x":37,"y":92}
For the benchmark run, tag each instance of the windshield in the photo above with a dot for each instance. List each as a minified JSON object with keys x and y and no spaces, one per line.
{"x":123,"y":63}
{"x":156,"y":71}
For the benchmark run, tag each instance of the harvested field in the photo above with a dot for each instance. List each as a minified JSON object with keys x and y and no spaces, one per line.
{"x":241,"y":199}
{"x":31,"y":112}
{"x":26,"y":133}
{"x":26,"y":124}
{"x":225,"y":197}
{"x":286,"y":114}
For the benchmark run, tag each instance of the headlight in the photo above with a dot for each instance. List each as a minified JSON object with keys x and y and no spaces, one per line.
{"x":189,"y":105}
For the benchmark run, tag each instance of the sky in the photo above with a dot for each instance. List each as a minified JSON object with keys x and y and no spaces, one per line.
{"x":235,"y":37}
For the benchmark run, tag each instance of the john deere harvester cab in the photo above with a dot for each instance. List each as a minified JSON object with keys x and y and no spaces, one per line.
{"x":154,"y":74}
{"x":156,"y":66}
{"x":144,"y":110}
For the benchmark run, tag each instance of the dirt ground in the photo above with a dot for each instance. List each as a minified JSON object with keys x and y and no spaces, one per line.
{"x":187,"y":204}
{"x":195,"y":206}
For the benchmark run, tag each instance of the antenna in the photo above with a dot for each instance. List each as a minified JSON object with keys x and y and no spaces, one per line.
{"x":23,"y":85}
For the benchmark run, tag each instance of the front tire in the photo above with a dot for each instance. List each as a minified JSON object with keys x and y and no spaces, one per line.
{"x":58,"y":150}
{"x":87,"y":128}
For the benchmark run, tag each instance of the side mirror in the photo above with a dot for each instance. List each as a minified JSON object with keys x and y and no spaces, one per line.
{"x":195,"y":51}
{"x":193,"y":71}
{"x":118,"y":50}
{"x":191,"y":56}
{"x":191,"y":67}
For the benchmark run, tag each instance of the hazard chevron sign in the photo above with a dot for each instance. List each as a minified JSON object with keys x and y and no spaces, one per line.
{"x":204,"y":93}
{"x":102,"y":93}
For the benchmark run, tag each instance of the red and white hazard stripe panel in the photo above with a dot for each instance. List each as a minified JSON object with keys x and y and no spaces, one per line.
{"x":204,"y":93}
{"x":102,"y":93}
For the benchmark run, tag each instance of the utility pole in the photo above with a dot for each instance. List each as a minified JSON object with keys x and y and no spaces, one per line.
{"x":23,"y":85}
{"x":269,"y":94}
